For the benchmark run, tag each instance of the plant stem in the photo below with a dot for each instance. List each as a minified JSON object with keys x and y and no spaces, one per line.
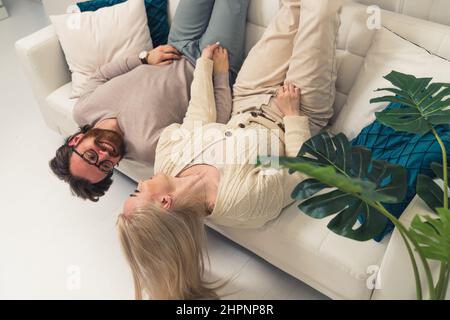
{"x":441,"y":286}
{"x":445,"y":284}
{"x":444,"y":164}
{"x":414,"y":265}
{"x":442,"y":273}
{"x":407,"y":236}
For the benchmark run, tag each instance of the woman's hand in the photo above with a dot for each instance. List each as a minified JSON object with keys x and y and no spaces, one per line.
{"x":221,"y":63}
{"x":163,"y":55}
{"x":208,"y":52}
{"x":288,"y":98}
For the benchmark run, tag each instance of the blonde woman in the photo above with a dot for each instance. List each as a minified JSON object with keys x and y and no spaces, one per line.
{"x":207,"y":170}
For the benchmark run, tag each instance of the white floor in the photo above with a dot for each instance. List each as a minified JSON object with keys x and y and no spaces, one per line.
{"x":55,"y":246}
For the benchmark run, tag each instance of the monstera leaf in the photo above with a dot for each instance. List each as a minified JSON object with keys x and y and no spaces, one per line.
{"x":424,"y":104}
{"x":429,"y":191}
{"x":348,"y":182}
{"x":433,"y":235}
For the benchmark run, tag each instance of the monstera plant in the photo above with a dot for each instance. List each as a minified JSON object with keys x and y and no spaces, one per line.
{"x":351,"y":184}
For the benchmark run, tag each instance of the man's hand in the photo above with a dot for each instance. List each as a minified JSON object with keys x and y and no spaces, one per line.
{"x":163,"y":55}
{"x":208,"y":52}
{"x":288,"y":98}
{"x":221,"y":63}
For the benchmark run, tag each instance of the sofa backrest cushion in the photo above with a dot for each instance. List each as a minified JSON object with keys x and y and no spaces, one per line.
{"x":388,"y":52}
{"x":431,"y":10}
{"x":356,"y":37}
{"x":91,"y":39}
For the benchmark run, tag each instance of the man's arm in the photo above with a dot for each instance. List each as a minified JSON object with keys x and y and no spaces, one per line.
{"x":222,"y":90}
{"x":162,"y":55}
{"x":109,"y":71}
{"x":222,"y":95}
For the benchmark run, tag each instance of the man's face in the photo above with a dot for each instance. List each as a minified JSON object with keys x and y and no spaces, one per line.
{"x":105,"y":146}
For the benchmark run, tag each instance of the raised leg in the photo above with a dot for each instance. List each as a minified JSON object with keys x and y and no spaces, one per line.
{"x":188,"y":26}
{"x":312,"y":66}
{"x":266,"y":65}
{"x":227,"y":25}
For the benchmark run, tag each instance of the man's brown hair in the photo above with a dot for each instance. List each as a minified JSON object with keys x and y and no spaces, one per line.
{"x":79,"y":186}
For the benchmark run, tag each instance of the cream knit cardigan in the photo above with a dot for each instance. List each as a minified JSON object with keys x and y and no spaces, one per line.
{"x":248,"y":197}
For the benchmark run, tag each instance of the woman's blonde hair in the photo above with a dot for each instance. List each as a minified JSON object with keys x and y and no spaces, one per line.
{"x":166,"y":250}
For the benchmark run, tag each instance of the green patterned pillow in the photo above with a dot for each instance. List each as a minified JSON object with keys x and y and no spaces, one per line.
{"x":414,"y":152}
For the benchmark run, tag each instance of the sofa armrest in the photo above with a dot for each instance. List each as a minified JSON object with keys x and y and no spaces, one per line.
{"x":43,"y":59}
{"x":396,"y":276}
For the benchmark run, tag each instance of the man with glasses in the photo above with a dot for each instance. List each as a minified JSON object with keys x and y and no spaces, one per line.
{"x":127,"y":103}
{"x":92,"y":153}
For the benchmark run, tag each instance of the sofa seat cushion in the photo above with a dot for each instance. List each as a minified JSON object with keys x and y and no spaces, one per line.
{"x":306,"y":249}
{"x":61,"y":106}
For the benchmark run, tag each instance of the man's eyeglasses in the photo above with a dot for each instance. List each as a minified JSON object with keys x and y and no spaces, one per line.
{"x":91,"y":157}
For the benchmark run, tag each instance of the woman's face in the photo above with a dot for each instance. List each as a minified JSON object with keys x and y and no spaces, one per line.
{"x":156,"y":189}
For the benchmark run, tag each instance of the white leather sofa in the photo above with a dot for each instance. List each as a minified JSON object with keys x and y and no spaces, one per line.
{"x":299,"y":245}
